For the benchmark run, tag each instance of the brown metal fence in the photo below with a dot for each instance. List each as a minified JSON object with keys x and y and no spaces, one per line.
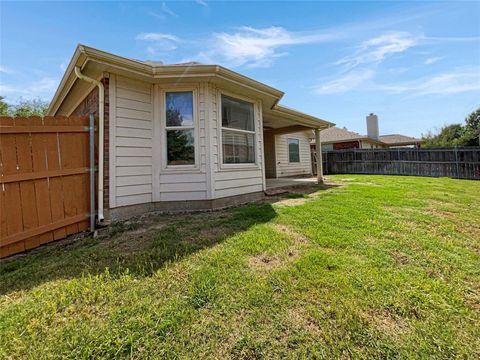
{"x":460,"y":163}
{"x":44,"y":179}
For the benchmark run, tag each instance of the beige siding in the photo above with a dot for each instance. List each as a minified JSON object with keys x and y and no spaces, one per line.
{"x":132,"y":118}
{"x":284,"y":166}
{"x":188,"y":184}
{"x":139,"y":172}
{"x":230,"y":179}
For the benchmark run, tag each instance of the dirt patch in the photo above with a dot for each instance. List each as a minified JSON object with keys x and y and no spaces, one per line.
{"x":386,"y":323}
{"x":264,"y":262}
{"x":292,"y":234}
{"x":300,"y":319}
{"x":401,"y":258}
{"x":291,"y":202}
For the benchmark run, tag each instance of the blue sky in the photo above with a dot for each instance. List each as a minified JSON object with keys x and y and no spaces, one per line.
{"x":415,"y":64}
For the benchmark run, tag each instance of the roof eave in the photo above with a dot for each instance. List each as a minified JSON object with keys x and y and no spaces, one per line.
{"x":83,"y":54}
{"x":302,"y":117}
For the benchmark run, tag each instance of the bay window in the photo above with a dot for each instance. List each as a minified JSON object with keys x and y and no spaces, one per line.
{"x":180,"y":128}
{"x":238,"y":131}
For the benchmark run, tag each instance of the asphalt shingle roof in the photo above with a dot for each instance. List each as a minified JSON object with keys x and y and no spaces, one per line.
{"x":398,"y":139}
{"x":334,"y":134}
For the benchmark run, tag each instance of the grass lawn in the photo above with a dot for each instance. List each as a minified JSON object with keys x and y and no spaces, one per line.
{"x":380,"y":267}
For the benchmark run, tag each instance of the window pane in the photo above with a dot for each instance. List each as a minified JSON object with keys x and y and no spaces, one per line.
{"x":293,"y":150}
{"x":237,"y":114}
{"x":179,"y":107}
{"x":180,"y":147}
{"x":238,"y":147}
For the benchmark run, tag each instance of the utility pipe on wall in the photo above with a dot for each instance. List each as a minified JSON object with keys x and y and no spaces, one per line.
{"x":101,"y":97}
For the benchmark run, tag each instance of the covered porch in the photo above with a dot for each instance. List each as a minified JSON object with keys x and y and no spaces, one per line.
{"x":286,"y":135}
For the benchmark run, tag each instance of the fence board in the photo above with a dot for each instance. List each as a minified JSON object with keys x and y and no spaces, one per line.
{"x":461,"y":163}
{"x":40,"y":168}
{"x":44,"y":180}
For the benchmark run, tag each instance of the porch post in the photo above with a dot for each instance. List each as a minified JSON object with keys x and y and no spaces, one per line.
{"x":318,"y":150}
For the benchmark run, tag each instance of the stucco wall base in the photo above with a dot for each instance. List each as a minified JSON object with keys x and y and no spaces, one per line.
{"x":126,"y":212}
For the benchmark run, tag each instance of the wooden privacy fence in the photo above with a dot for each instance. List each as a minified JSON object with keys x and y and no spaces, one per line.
{"x":460,"y":163}
{"x":44,"y":179}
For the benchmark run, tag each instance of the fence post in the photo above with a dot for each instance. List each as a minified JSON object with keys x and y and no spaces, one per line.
{"x":456,"y":162}
{"x":318,"y":151}
{"x":92,"y":172}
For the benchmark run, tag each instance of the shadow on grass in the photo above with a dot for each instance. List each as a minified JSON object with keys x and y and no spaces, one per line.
{"x":139,"y":247}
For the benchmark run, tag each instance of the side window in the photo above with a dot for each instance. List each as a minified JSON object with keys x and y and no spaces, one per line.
{"x":180,"y":128}
{"x":293,"y":150}
{"x":238,"y":131}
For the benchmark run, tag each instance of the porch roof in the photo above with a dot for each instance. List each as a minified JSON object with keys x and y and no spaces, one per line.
{"x":281,"y":118}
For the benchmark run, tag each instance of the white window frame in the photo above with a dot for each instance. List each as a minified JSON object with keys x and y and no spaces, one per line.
{"x":255,"y":133}
{"x":163,"y":119}
{"x":288,"y":151}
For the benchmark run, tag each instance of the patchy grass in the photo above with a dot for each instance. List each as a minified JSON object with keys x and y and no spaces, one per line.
{"x":383,"y":267}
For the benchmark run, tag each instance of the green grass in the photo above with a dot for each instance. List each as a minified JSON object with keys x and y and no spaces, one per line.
{"x":383,"y":267}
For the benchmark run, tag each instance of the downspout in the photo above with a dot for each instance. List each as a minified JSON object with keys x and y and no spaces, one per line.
{"x":101,"y":97}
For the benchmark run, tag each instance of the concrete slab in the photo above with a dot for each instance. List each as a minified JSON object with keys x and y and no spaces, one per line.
{"x":285,"y":182}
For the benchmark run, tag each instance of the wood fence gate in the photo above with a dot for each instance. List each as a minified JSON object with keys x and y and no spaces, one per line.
{"x":45,"y":180}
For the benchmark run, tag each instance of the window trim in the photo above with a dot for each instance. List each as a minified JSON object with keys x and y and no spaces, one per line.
{"x":164,"y":128}
{"x":288,"y":150}
{"x":237,"y":166}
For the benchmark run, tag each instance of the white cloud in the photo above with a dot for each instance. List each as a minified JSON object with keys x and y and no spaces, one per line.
{"x":377,"y":49}
{"x":159,"y":42}
{"x":43,"y":88}
{"x":167,"y":11}
{"x":164,"y":13}
{"x":457,"y":81}
{"x":360,"y":67}
{"x":432,"y":60}
{"x":157,"y":37}
{"x":255,"y":47}
{"x":347,"y":82}
{"x":201,"y":2}
{"x":6,"y":70}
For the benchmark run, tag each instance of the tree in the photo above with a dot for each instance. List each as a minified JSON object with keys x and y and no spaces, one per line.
{"x":448,"y":136}
{"x":472,"y":129}
{"x":32,"y":107}
{"x":3,"y":107}
{"x":456,"y":135}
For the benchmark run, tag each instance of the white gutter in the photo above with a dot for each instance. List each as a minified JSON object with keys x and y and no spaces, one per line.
{"x":101,"y":97}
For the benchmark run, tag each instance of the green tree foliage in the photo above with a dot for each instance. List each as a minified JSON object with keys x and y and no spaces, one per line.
{"x":472,"y":129}
{"x":3,"y":107}
{"x":456,"y":135}
{"x":33,"y":107}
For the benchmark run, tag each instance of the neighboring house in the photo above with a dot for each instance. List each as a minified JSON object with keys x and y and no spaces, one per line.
{"x":335,"y":138}
{"x":184,"y":136}
{"x":397,"y":140}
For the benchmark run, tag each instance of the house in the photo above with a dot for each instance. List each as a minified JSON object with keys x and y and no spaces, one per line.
{"x":398,"y":140}
{"x":184,"y":136}
{"x":336,"y":138}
